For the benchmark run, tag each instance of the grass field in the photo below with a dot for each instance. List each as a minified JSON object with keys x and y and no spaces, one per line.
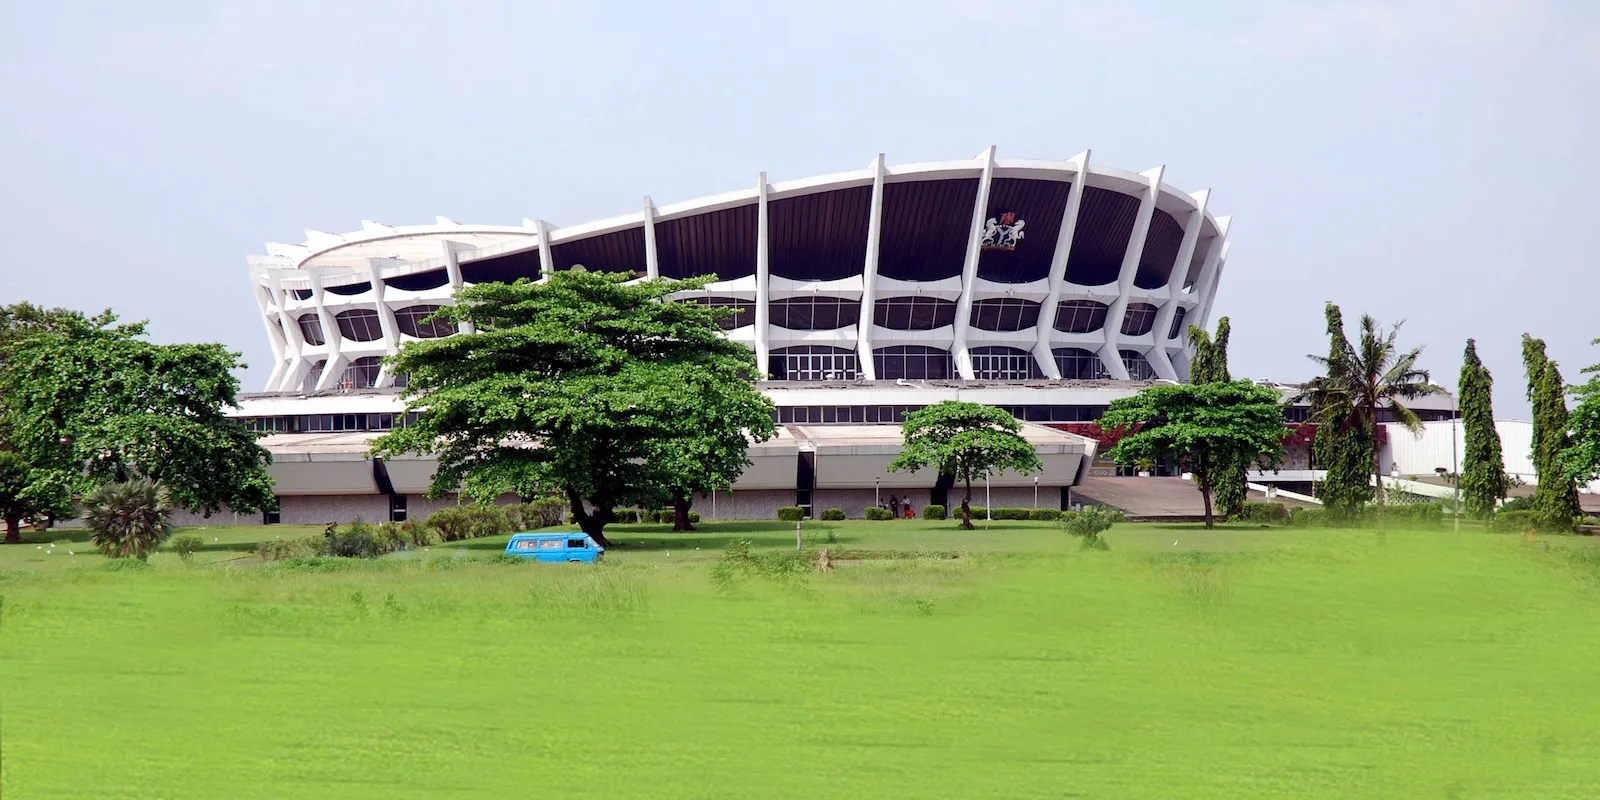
{"x":1182,"y":663}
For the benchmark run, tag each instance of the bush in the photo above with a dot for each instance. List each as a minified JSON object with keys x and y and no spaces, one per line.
{"x":694,"y":516}
{"x":1265,"y":513}
{"x":287,"y":549}
{"x":1013,"y":513}
{"x":934,"y":512}
{"x":1417,"y":515}
{"x":977,"y":511}
{"x":544,"y":512}
{"x":1090,"y":522}
{"x":1309,"y":517}
{"x":1044,"y":514}
{"x":1517,"y":504}
{"x":878,"y":513}
{"x":128,"y":519}
{"x":357,"y":540}
{"x":1522,"y":521}
{"x":417,"y":535}
{"x":185,"y":546}
{"x":468,"y":522}
{"x":789,"y":513}
{"x":833,"y":514}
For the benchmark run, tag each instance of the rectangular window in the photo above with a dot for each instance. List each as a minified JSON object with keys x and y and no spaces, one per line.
{"x":577,"y":544}
{"x":549,"y":544}
{"x":526,"y":544}
{"x":397,"y":508}
{"x":273,"y":515}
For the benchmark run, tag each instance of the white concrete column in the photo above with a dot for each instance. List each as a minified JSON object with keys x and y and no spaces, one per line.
{"x":547,"y":259}
{"x":652,"y":268}
{"x":763,"y":272}
{"x":1058,"y":269}
{"x":1159,"y":357}
{"x":386,"y":323}
{"x":294,"y":338}
{"x":452,"y":269}
{"x":869,"y":274}
{"x":1110,"y":357}
{"x":969,"y":268}
{"x":272,"y":320}
{"x":1210,"y":271}
{"x":330,"y":332}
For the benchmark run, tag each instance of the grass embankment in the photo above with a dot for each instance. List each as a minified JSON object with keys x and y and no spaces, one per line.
{"x":1234,"y":663}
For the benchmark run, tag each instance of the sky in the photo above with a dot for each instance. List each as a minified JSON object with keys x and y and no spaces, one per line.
{"x":1422,"y":160}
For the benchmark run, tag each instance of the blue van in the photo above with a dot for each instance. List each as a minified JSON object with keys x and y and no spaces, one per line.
{"x":561,"y":546}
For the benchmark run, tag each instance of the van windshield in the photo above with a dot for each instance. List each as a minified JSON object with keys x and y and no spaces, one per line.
{"x":577,"y":544}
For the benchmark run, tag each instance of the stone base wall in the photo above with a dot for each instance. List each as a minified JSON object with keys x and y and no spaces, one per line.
{"x":1009,"y":497}
{"x":323,"y":509}
{"x":750,"y":504}
{"x":183,"y":517}
{"x":854,"y":502}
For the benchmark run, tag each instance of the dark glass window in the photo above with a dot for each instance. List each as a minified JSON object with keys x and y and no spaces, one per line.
{"x":814,"y":313}
{"x":1076,"y":363}
{"x":301,"y":294}
{"x":397,"y":508}
{"x":413,"y":321}
{"x":361,"y":374}
{"x":348,"y":289}
{"x":814,"y":363}
{"x":432,"y":279}
{"x":1004,"y":364}
{"x":744,"y":311}
{"x":311,"y":329}
{"x":1004,"y":314}
{"x":360,"y":325}
{"x":1139,"y":368}
{"x":1139,"y":319}
{"x":1080,"y":316}
{"x":312,"y":376}
{"x":913,"y":362}
{"x":1177,"y":323}
{"x":913,"y":313}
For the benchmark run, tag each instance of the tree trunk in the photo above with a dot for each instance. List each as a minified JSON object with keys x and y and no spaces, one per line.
{"x":1205,"y":492}
{"x":593,"y":525}
{"x":680,"y":513}
{"x":1377,"y":462}
{"x":966,"y":506}
{"x":13,"y":530}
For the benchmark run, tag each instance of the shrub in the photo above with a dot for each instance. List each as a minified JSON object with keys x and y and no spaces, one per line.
{"x":1430,"y":515}
{"x":694,"y":516}
{"x":185,"y":546}
{"x":1517,"y":504}
{"x":1044,"y":514}
{"x":934,"y":512}
{"x":544,"y":512}
{"x":392,"y":538}
{"x":878,"y":513}
{"x":1093,"y":543}
{"x":287,"y":549}
{"x":417,"y":535}
{"x":468,"y":522}
{"x":1013,"y":513}
{"x":128,"y":519}
{"x":1522,"y":521}
{"x":1265,"y":513}
{"x":833,"y":514}
{"x":1309,"y":517}
{"x":356,"y":540}
{"x":787,"y":513}
{"x":513,"y":515}
{"x":1089,"y":523}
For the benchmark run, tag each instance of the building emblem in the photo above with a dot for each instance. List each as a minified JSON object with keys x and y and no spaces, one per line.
{"x":1003,"y":235}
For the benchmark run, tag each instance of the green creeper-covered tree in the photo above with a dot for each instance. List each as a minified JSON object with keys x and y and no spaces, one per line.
{"x":1581,"y":458}
{"x":717,"y":416}
{"x":1359,"y":379}
{"x":1555,"y":499}
{"x":970,"y":441}
{"x":85,"y":401}
{"x":1534,"y":360}
{"x":1210,"y":365}
{"x":1343,"y":451}
{"x":1483,"y":471}
{"x":1209,"y":428}
{"x":570,"y":385}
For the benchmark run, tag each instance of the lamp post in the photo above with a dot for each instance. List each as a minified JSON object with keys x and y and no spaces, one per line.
{"x":988,"y":504}
{"x":875,"y":491}
{"x":1455,"y":468}
{"x":1036,"y":492}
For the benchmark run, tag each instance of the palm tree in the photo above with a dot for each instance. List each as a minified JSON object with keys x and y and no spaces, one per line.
{"x":129,"y":518}
{"x":1363,"y":377}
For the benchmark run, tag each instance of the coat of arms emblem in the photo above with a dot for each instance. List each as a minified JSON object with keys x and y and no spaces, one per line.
{"x":1003,"y":234}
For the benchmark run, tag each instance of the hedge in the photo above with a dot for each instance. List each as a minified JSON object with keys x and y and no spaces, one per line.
{"x":1045,"y":514}
{"x":1267,"y":513}
{"x":792,"y":513}
{"x":934,"y":512}
{"x":833,"y":514}
{"x":1415,"y":515}
{"x":878,"y":513}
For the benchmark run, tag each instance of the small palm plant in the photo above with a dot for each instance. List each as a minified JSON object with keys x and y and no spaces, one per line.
{"x":128,"y":519}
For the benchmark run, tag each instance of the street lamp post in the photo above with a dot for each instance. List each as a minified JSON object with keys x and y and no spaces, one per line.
{"x":875,"y":491}
{"x":1455,"y":467}
{"x":1036,"y":492}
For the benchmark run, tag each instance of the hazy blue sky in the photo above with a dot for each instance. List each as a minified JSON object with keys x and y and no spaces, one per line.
{"x":1431,"y":160}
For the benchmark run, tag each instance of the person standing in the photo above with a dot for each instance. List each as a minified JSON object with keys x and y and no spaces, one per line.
{"x":894,"y":506}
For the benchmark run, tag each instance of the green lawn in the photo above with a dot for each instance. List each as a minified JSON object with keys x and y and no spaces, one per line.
{"x":1183,"y":663}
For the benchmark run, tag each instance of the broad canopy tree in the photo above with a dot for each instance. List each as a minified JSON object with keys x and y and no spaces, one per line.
{"x":969,"y":441}
{"x":86,"y":400}
{"x":1581,"y":458}
{"x":1211,"y":429}
{"x":1360,"y":378}
{"x":580,"y":385}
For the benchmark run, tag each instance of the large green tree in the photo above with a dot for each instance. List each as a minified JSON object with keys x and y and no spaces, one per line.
{"x":1555,"y":499}
{"x":85,"y":400}
{"x":569,"y":385}
{"x":717,"y":415}
{"x":969,"y":441}
{"x":1483,"y":471}
{"x":1358,"y":379}
{"x":1210,"y":365}
{"x":1581,"y":458}
{"x":1343,"y":451}
{"x":1209,"y":428}
{"x":28,"y":492}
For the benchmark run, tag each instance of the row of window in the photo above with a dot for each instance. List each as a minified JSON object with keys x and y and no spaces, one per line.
{"x":806,"y":314}
{"x":872,"y":415}
{"x":326,"y":423}
{"x":363,"y":325}
{"x":360,"y":373}
{"x":914,"y":362}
